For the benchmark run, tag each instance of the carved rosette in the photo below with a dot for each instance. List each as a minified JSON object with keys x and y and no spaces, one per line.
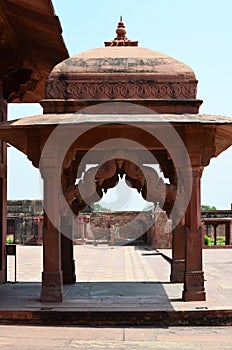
{"x":72,"y":89}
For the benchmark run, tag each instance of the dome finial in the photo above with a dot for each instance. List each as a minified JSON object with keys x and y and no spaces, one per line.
{"x":121,"y":30}
{"x":121,"y":39}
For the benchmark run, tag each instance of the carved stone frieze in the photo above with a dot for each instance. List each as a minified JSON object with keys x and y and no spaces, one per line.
{"x":119,"y":90}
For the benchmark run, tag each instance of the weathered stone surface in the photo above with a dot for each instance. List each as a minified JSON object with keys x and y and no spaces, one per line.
{"x":162,"y":230}
{"x":31,"y":44}
{"x":52,"y":290}
{"x":126,"y":225}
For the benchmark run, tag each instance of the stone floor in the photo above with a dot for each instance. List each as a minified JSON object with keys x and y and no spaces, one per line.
{"x":140,"y":281}
{"x":125,"y":278}
{"x":162,"y":338}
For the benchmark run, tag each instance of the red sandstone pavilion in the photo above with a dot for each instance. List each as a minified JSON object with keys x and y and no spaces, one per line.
{"x":122,"y":108}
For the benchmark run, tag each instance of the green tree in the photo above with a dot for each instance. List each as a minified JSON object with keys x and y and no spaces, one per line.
{"x":208,"y":207}
{"x":99,"y":207}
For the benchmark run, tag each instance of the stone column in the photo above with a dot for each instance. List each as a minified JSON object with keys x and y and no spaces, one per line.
{"x":215,"y":233}
{"x":52,"y":276}
{"x":227,"y":233}
{"x":152,"y":236}
{"x":66,"y":227}
{"x":178,"y":253}
{"x":112,"y":236}
{"x":39,"y":240}
{"x":230,"y":232}
{"x":203,"y":232}
{"x":83,"y":233}
{"x":194,"y":276}
{"x":178,"y":220}
{"x":149,"y":236}
{"x":67,"y":261}
{"x":3,"y":192}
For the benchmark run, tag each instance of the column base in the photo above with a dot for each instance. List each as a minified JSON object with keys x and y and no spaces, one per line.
{"x":194,"y":286}
{"x":193,"y":296}
{"x":52,"y":286}
{"x":177,"y":271}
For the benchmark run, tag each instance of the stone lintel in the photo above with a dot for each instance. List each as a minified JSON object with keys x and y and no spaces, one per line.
{"x":163,"y":106}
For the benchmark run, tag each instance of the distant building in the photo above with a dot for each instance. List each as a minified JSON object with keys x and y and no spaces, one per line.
{"x":24,"y":221}
{"x":218,"y":224}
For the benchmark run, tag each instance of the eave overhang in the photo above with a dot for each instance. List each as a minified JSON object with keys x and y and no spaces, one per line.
{"x":31,"y":44}
{"x":17,"y":132}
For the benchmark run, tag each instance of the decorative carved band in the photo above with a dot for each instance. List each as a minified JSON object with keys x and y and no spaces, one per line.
{"x":194,"y":280}
{"x":52,"y":286}
{"x":120,"y":90}
{"x":52,"y":279}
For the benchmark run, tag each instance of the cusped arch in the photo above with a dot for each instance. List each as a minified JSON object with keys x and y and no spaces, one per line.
{"x":100,"y":178}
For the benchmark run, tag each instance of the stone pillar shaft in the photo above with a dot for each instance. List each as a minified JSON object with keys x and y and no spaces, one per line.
{"x":194,"y":277}
{"x":178,"y":253}
{"x":39,"y":230}
{"x":52,"y":277}
{"x":227,"y":233}
{"x":3,"y":193}
{"x":215,"y":234}
{"x":67,"y":261}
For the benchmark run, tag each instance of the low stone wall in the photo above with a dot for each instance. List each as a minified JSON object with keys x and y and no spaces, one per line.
{"x":152,"y":228}
{"x":126,"y":225}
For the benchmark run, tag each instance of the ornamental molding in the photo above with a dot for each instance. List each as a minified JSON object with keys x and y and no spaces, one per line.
{"x":66,"y":90}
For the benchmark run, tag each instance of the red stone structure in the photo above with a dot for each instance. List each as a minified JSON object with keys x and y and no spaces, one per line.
{"x":221,"y":222}
{"x":30,"y":45}
{"x":227,"y":223}
{"x":154,"y":113}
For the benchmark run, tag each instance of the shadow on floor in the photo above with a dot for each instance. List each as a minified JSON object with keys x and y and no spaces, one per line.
{"x":134,"y":295}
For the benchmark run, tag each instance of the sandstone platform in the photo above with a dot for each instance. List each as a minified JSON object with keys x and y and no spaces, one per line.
{"x":126,"y":285}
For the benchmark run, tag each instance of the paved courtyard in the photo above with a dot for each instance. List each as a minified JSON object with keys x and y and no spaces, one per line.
{"x":170,"y":338}
{"x":140,"y":280}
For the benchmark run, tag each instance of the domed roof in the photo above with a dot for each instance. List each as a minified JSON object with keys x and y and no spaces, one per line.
{"x":122,"y":71}
{"x":123,"y":59}
{"x":122,"y":55}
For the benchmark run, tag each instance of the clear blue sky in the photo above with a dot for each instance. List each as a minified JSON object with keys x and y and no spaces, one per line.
{"x":194,"y":31}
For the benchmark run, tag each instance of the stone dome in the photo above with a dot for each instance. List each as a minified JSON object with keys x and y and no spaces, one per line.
{"x":121,"y":71}
{"x":126,"y":60}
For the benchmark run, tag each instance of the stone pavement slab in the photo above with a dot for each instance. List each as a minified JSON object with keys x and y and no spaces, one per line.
{"x":121,"y":279}
{"x":172,"y":338}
